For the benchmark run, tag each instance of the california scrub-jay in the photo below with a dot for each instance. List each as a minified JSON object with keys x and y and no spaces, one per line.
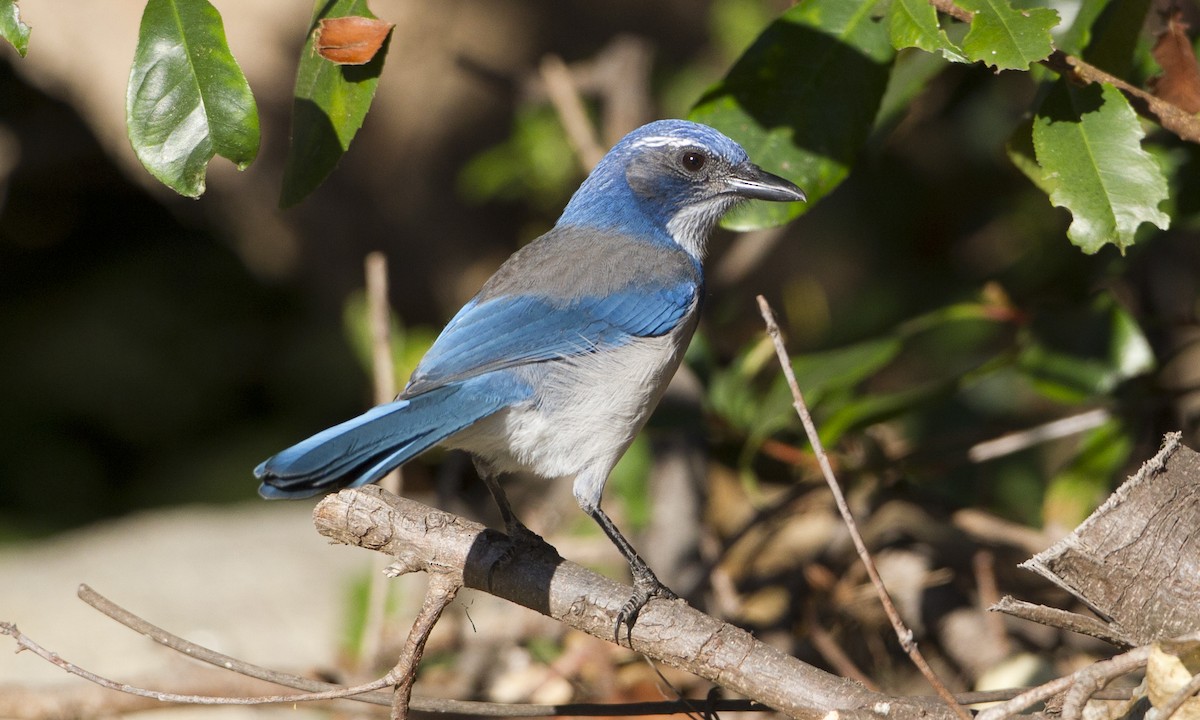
{"x":555,"y":365}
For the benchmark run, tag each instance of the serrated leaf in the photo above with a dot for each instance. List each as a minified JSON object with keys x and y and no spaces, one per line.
{"x":11,"y":27}
{"x":187,"y":99}
{"x":329,"y":105}
{"x":1005,"y":38}
{"x":1088,"y":144}
{"x":914,"y":23}
{"x":802,"y":99}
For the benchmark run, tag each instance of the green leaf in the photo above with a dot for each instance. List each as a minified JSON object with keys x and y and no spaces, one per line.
{"x":802,"y":99}
{"x":819,"y":374}
{"x":329,"y":104}
{"x":529,"y":165}
{"x":1076,"y":490}
{"x":187,"y":98}
{"x":914,"y":23}
{"x":1106,"y":33}
{"x":1082,"y":354}
{"x":1005,"y":38}
{"x":1088,"y":145}
{"x":11,"y":27}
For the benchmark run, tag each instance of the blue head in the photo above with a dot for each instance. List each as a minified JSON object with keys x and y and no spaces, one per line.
{"x":672,"y":180}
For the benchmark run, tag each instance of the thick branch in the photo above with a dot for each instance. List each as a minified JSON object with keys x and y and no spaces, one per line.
{"x":422,"y":538}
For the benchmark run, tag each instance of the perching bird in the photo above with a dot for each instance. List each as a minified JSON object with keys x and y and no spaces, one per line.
{"x":556,"y":364}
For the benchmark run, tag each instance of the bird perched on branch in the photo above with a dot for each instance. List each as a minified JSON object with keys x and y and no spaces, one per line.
{"x":556,"y":364}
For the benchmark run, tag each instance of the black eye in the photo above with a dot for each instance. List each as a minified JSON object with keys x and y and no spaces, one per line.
{"x":693,"y":160}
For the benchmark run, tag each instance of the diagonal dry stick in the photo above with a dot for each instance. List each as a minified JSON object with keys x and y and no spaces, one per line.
{"x":24,"y":642}
{"x":902,"y":632}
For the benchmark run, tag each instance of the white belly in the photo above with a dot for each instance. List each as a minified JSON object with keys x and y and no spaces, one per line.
{"x":586,"y":412}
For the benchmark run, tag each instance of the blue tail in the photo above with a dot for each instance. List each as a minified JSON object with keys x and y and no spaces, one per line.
{"x":364,"y":449}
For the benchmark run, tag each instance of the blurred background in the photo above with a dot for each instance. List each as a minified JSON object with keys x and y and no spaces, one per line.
{"x":155,"y":348}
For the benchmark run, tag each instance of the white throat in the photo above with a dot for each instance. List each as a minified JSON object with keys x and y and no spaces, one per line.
{"x":691,"y":226}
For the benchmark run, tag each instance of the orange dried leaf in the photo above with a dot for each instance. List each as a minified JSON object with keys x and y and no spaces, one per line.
{"x":1179,"y":83}
{"x":351,"y":40}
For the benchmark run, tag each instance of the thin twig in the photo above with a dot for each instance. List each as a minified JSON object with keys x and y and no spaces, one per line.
{"x":26,"y":643}
{"x":1096,"y":676}
{"x":983,"y":563}
{"x":1023,"y":439}
{"x":904,"y":634}
{"x":571,"y":111}
{"x":433,"y":705}
{"x":833,"y":653}
{"x":440,"y":593}
{"x":379,"y":320}
{"x":1026,"y":699}
{"x":1112,"y":667}
{"x":1062,"y":619}
{"x":1168,"y":115}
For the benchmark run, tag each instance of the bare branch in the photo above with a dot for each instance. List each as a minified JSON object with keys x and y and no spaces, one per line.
{"x":25,"y":643}
{"x":422,"y":538}
{"x":438,"y":705}
{"x":1062,"y":619}
{"x":569,"y":104}
{"x":902,"y":632}
{"x":441,"y":592}
{"x":383,"y":371}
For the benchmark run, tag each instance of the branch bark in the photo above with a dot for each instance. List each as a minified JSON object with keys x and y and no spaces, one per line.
{"x":422,"y":538}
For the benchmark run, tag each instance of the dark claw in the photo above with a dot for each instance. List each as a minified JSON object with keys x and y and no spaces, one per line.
{"x":645,"y":586}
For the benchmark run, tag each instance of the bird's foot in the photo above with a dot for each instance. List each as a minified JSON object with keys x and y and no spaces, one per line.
{"x":646,"y":586}
{"x":522,"y":541}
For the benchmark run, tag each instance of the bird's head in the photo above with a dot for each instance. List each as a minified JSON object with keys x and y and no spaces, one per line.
{"x":673,"y":180}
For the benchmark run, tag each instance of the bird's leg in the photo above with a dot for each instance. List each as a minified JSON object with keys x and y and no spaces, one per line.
{"x":521,"y":537}
{"x":646,"y":584}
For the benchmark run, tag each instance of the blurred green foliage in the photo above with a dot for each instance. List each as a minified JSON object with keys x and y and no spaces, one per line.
{"x":935,"y":297}
{"x":969,"y":318}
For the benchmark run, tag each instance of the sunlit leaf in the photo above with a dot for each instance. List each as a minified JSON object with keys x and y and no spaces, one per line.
{"x":914,"y":23}
{"x":1006,"y":38}
{"x":329,"y":105}
{"x":187,"y":99}
{"x":11,"y":27}
{"x":1088,"y":145}
{"x":803,"y":98}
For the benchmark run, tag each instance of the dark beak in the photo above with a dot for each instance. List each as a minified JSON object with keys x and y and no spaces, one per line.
{"x":750,"y":181}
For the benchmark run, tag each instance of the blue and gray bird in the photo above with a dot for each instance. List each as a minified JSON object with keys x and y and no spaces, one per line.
{"x":556,"y":364}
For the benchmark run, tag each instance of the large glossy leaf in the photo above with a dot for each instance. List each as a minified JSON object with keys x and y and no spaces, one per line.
{"x":1005,"y":38}
{"x":914,"y":23}
{"x":803,"y":98}
{"x":329,"y":105}
{"x":1088,"y":144}
{"x":11,"y":27}
{"x":187,"y":99}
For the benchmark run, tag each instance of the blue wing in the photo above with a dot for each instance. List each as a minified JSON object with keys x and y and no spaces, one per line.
{"x":510,"y":330}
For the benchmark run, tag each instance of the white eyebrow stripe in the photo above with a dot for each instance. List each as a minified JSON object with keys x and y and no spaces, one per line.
{"x":664,"y":141}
